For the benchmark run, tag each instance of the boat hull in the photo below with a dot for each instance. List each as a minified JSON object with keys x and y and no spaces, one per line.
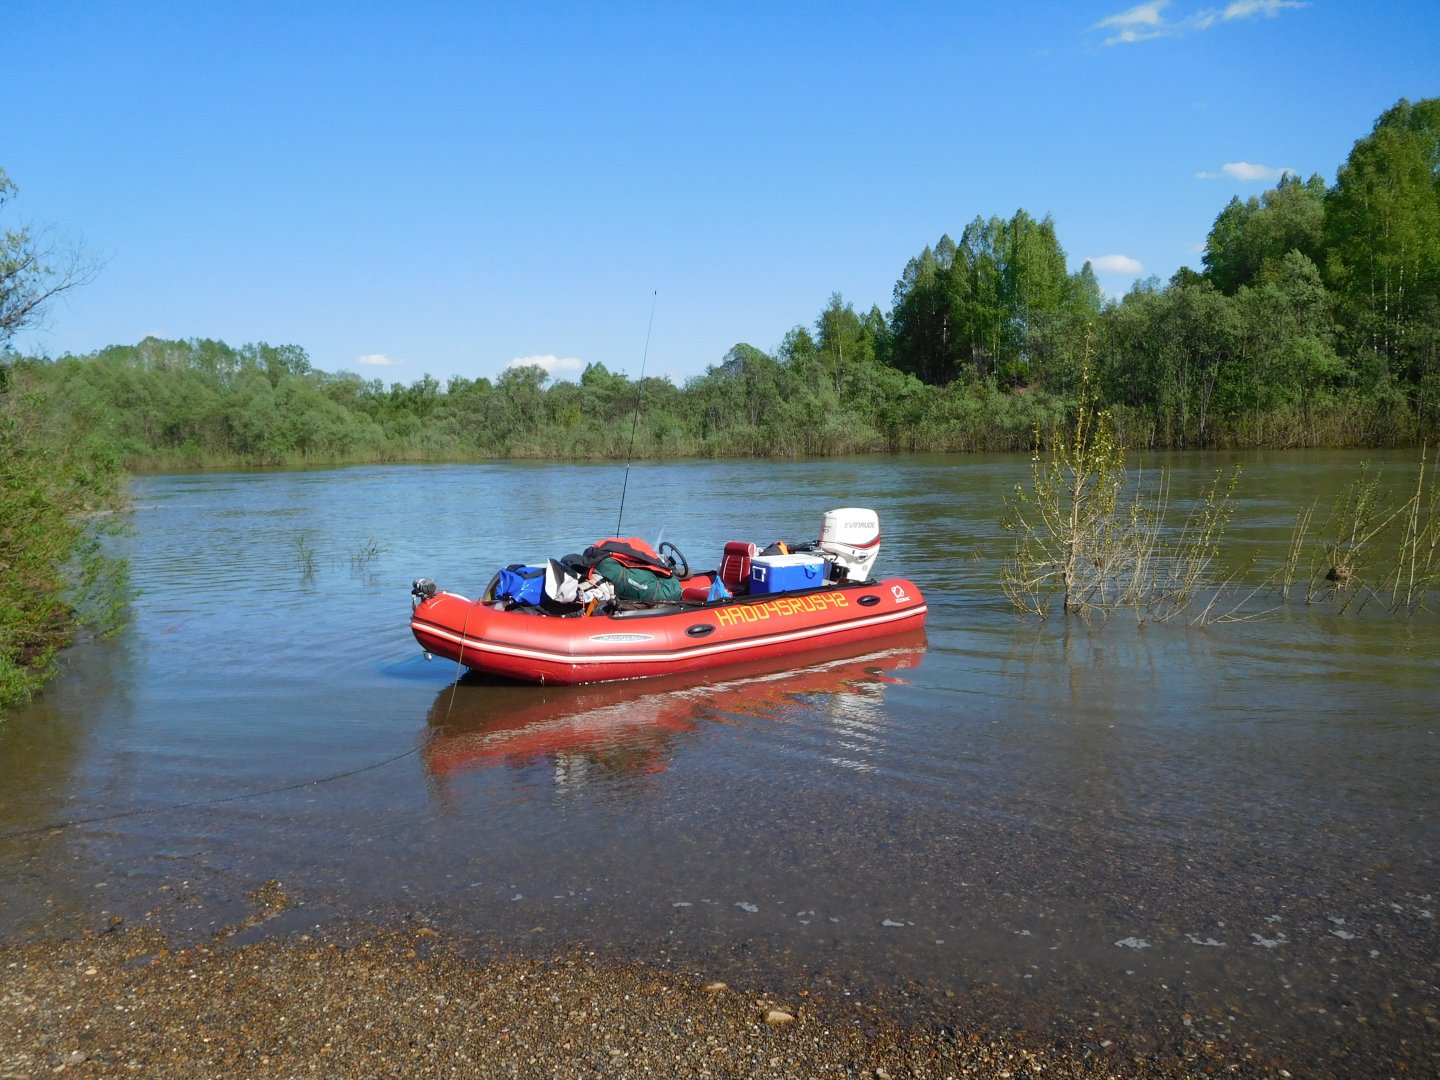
{"x":539,"y":648}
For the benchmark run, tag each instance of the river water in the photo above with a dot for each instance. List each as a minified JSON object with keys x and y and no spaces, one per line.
{"x":1156,"y":834}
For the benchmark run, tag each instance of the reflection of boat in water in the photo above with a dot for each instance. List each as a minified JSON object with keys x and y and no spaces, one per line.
{"x":629,"y":726}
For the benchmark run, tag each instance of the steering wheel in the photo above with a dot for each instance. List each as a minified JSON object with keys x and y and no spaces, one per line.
{"x":675,"y":560}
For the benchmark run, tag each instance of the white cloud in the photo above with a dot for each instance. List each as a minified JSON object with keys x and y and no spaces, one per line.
{"x":1130,"y":37}
{"x":376,"y":360}
{"x":1116,"y":264}
{"x":1141,"y":23}
{"x":1141,"y":15}
{"x":551,"y":363}
{"x":1246,"y":170}
{"x":1244,"y":9}
{"x":1147,"y":22}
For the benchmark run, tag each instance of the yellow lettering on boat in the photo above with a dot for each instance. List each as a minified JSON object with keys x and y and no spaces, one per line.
{"x":780,"y":608}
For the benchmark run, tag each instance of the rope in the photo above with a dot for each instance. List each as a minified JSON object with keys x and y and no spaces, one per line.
{"x":315,"y":782}
{"x":459,"y":660}
{"x":197,"y":803}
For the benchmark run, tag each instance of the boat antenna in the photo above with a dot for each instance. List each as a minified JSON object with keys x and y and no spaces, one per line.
{"x":634,"y":423}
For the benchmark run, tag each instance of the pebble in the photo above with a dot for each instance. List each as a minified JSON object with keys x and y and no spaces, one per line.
{"x":369,"y":1003}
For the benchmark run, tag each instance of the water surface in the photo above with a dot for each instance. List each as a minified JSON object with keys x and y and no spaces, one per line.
{"x":1154,"y":833}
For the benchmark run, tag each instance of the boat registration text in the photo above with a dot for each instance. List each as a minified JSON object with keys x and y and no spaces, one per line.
{"x":785,"y":605}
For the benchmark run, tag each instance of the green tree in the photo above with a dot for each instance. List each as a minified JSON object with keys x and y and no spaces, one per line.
{"x":521,"y":395}
{"x":1169,"y":356}
{"x":923,"y":318}
{"x":1382,"y":243}
{"x":1056,"y":340}
{"x":53,"y":574}
{"x":1287,"y":352}
{"x":844,"y":344}
{"x":1249,"y":240}
{"x":606,"y":394}
{"x":979,"y":295}
{"x":988,"y":307}
{"x":1034,"y":289}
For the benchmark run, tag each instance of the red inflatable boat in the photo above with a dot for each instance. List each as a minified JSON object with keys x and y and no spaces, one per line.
{"x":761,"y":607}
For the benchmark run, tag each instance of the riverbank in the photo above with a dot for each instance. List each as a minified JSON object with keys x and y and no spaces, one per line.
{"x":407,"y":1003}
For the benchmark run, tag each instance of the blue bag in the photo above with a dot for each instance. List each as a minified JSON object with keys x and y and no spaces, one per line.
{"x":520,"y":583}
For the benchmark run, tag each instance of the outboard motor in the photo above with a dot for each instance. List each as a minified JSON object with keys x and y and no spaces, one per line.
{"x":421,"y":589}
{"x":850,"y":539}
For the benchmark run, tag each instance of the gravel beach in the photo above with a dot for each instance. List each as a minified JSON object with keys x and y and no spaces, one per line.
{"x":359,"y":1001}
{"x":405,"y":1004}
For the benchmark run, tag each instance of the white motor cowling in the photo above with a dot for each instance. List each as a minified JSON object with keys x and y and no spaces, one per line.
{"x":852,"y":537}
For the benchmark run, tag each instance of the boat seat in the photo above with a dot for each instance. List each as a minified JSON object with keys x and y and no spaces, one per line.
{"x":735,"y":565}
{"x":697,"y":587}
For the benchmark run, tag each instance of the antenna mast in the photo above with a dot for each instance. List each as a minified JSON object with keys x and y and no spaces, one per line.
{"x":635,"y":422}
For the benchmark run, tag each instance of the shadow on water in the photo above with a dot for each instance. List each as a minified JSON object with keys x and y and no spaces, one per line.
{"x":46,"y":748}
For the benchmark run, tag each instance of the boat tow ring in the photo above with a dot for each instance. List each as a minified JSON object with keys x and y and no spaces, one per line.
{"x":675,"y":560}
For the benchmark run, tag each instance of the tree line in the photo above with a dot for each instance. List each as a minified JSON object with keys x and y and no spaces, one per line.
{"x":1314,"y":320}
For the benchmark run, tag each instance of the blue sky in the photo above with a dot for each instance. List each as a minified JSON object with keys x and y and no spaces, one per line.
{"x":418,"y":188}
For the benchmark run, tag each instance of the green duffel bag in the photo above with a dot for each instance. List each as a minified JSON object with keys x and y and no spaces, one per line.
{"x":633,"y":583}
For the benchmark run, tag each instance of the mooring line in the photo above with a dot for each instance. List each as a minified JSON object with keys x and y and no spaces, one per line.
{"x":198,"y":803}
{"x":459,"y":661}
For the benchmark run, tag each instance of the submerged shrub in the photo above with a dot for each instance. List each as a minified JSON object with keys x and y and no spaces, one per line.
{"x":1099,"y":539}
